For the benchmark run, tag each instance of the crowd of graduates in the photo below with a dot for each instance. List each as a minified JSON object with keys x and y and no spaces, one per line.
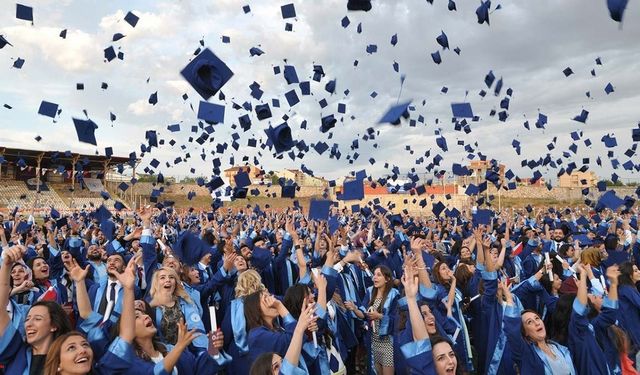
{"x":247,"y":291}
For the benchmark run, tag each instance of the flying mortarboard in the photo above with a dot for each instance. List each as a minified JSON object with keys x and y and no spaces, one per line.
{"x":462,"y":110}
{"x":288,"y":11}
{"x":48,"y":109}
{"x":131,"y":19}
{"x":24,"y":12}
{"x":394,"y":114}
{"x":211,"y":112}
{"x":364,"y":5}
{"x":207,"y":74}
{"x":352,"y":190}
{"x":319,"y":209}
{"x":86,"y":130}
{"x":280,"y":137}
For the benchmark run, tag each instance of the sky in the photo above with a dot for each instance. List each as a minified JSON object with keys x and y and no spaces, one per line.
{"x":528,"y":44}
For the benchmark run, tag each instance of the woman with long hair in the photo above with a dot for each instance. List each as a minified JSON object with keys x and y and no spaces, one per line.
{"x":427,"y":353}
{"x":44,"y":322}
{"x":234,"y":324}
{"x":271,"y":363}
{"x":69,"y":354}
{"x":531,"y":350}
{"x":172,"y":303}
{"x":137,"y":349}
{"x":630,"y":304}
{"x":264,"y":334}
{"x":588,"y":338}
{"x":378,"y":308}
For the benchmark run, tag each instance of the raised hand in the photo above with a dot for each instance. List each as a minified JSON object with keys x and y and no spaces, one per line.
{"x":320,"y":281}
{"x":77,"y":273}
{"x":410,"y":283}
{"x":128,"y":277}
{"x":307,"y":318}
{"x":228,"y":260}
{"x":13,"y":255}
{"x":612,"y":274}
{"x":185,"y":337}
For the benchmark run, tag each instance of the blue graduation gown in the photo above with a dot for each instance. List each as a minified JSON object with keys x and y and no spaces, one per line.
{"x":120,"y":359}
{"x":629,"y":299}
{"x":529,"y":359}
{"x":588,"y":357}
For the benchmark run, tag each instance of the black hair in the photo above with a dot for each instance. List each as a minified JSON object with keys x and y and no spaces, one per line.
{"x":262,"y":364}
{"x":559,"y":320}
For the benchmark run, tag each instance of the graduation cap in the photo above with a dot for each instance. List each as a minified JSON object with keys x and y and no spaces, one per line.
{"x":4,"y":42}
{"x":290,"y":74}
{"x":102,"y":214}
{"x":24,"y":12}
{"x":462,"y":110}
{"x":582,"y":117}
{"x":207,"y":74}
{"x":635,"y":135}
{"x":442,"y":143}
{"x":319,"y":209}
{"x":363,"y":5}
{"x":567,"y":72}
{"x":616,"y":9}
{"x":86,"y":131}
{"x":436,"y":57}
{"x":288,"y":191}
{"x":288,"y":11}
{"x":609,"y":88}
{"x":482,"y":217}
{"x":54,"y":213}
{"x":108,"y":228}
{"x":23,"y":227}
{"x":609,"y":141}
{"x":18,"y":63}
{"x":189,"y":248}
{"x":131,"y":19}
{"x":482,"y":12}
{"x":48,"y":109}
{"x":327,"y":123}
{"x":395,"y":113}
{"x":443,"y":40}
{"x":118,"y":206}
{"x":211,"y":112}
{"x":609,"y":200}
{"x":438,"y":208}
{"x":242,"y":179}
{"x":280,"y":137}
{"x":263,"y":111}
{"x":352,"y":190}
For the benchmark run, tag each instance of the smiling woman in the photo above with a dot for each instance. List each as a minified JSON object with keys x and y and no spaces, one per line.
{"x":45,"y":321}
{"x":69,"y":354}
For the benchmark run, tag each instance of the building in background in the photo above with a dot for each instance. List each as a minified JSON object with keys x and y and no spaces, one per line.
{"x":578,"y":179}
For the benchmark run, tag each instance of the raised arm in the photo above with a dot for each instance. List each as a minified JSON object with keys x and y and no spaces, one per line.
{"x":185,"y":338}
{"x":423,"y":275}
{"x":78,"y":275}
{"x":321,"y":285}
{"x":410,"y":282}
{"x":292,"y":355}
{"x":128,"y":315}
{"x":9,"y":257}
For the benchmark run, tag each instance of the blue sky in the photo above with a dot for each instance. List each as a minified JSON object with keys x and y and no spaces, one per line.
{"x":528,"y":44}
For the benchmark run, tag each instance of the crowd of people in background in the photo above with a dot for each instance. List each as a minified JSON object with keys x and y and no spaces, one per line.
{"x":251,"y":291}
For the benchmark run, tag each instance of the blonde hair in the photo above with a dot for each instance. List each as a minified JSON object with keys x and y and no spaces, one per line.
{"x":249,"y":282}
{"x":591,"y":256}
{"x":179,"y":289}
